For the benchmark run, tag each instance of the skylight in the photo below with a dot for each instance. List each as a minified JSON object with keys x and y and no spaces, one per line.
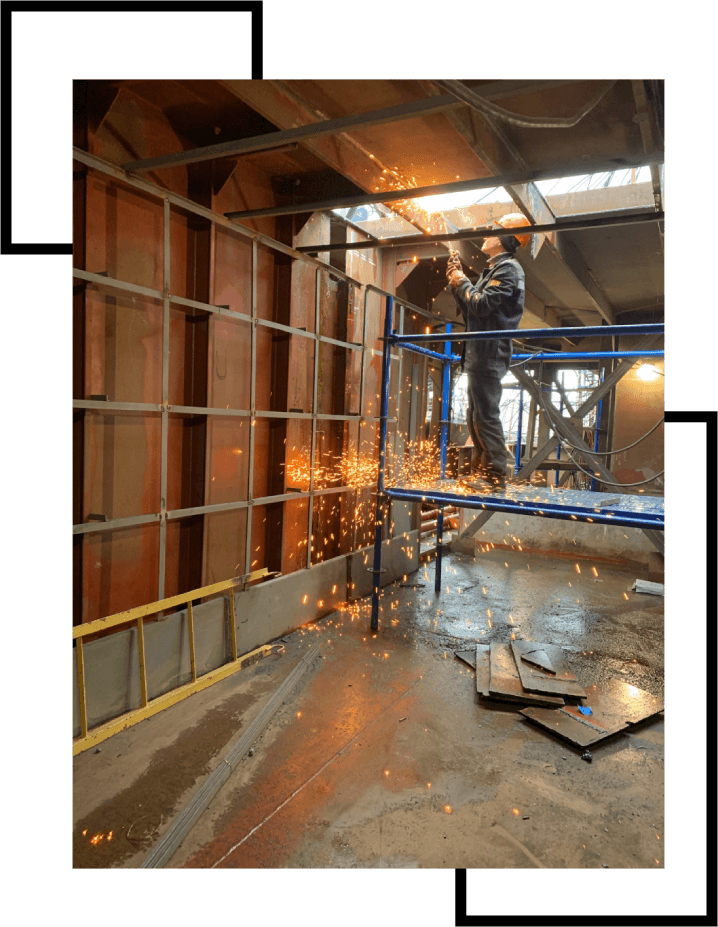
{"x":450,"y":202}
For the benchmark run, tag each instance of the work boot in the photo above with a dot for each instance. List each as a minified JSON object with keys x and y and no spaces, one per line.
{"x":486,"y":482}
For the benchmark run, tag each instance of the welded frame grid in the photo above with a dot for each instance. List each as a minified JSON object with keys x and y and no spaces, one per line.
{"x":167,"y":299}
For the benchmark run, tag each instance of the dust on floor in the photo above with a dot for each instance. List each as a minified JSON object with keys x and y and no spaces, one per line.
{"x":384,"y":757}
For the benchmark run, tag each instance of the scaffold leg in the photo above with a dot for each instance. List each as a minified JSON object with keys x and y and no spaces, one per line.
{"x":376,"y":571}
{"x":439,"y":545}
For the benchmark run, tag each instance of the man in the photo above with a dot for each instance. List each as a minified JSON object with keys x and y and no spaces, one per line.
{"x":495,"y":303}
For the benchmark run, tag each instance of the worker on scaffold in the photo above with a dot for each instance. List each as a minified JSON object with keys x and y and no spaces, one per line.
{"x":494,"y":303}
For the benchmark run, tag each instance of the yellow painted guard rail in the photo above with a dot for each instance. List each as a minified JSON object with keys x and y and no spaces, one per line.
{"x":137,"y":615}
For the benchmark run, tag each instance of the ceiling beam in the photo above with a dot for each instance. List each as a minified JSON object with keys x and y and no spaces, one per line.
{"x":269,"y":141}
{"x":572,"y":225}
{"x":508,"y":178}
{"x":499,"y":153}
{"x":644,"y":116}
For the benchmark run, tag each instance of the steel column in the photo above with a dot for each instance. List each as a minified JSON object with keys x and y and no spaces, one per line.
{"x":315,"y":393}
{"x":165,"y":400}
{"x":518,"y":435}
{"x":384,"y":411}
{"x":445,"y":392}
{"x":252,"y":411}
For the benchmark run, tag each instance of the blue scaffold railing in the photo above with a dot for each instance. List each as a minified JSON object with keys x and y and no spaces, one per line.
{"x":632,"y":515}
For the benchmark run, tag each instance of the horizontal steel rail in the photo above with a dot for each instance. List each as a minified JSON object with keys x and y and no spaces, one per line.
{"x":444,"y":358}
{"x":113,"y":283}
{"x":549,"y":510}
{"x":105,"y":167}
{"x":618,"y":217}
{"x":585,"y":355}
{"x":653,"y":328}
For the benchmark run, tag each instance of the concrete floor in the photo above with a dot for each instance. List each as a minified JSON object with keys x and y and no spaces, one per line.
{"x":384,"y":756}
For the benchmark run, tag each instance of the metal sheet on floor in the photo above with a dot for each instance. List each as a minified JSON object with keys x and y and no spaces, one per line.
{"x":483,"y":669}
{"x":505,"y":682}
{"x":615,"y":707}
{"x":563,"y":683}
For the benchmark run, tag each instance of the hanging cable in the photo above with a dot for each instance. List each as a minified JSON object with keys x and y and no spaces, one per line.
{"x":470,"y":97}
{"x":565,"y":444}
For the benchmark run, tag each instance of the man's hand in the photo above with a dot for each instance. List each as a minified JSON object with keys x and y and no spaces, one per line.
{"x":454,"y":273}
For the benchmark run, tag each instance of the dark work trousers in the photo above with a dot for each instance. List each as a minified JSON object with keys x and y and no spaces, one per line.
{"x":484,"y":420}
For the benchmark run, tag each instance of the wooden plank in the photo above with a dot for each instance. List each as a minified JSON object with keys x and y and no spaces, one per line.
{"x":505,"y":682}
{"x":563,"y":682}
{"x":615,"y":706}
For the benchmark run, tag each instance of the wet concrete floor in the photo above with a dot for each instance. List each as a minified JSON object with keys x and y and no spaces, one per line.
{"x":385,"y":757}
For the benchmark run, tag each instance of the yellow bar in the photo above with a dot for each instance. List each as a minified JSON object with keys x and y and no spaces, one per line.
{"x":143,"y":672}
{"x":102,"y":624}
{"x":81,"y":687}
{"x":98,"y":734}
{"x":190,"y":625}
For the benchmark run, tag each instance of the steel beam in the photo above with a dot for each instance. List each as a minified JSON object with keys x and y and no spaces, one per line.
{"x":182,"y":202}
{"x":270,"y":140}
{"x":289,"y":138}
{"x":617,"y":217}
{"x":496,"y":152}
{"x":504,"y":179}
{"x":643,"y":117}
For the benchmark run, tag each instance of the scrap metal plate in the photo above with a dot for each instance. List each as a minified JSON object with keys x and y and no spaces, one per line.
{"x":535,"y":680}
{"x":539,"y":658}
{"x":468,"y":656}
{"x":615,"y":706}
{"x":483,"y":669}
{"x":505,"y":682}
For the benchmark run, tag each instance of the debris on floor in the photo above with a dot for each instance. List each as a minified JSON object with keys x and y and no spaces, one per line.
{"x":538,"y":676}
{"x":506,"y":683}
{"x":561,"y":683}
{"x":615,"y":706}
{"x":642,"y":585}
{"x":468,"y":656}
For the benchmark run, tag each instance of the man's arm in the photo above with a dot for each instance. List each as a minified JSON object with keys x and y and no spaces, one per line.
{"x":476,"y":305}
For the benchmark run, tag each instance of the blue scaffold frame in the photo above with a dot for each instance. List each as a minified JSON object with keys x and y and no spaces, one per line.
{"x":441,"y":498}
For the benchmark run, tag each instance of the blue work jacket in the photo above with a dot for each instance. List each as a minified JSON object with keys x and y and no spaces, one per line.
{"x":494,"y":303}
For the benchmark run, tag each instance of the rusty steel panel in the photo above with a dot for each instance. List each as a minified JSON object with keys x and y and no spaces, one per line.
{"x":301,"y":369}
{"x":224,"y":545}
{"x":228,"y":362}
{"x":124,"y":233}
{"x":563,"y":682}
{"x":227,"y":459}
{"x":294,"y":547}
{"x":183,"y":557}
{"x":123,"y":347}
{"x":122,"y":473}
{"x":615,"y":706}
{"x":232,"y":271}
{"x":119,"y":570}
{"x":505,"y":682}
